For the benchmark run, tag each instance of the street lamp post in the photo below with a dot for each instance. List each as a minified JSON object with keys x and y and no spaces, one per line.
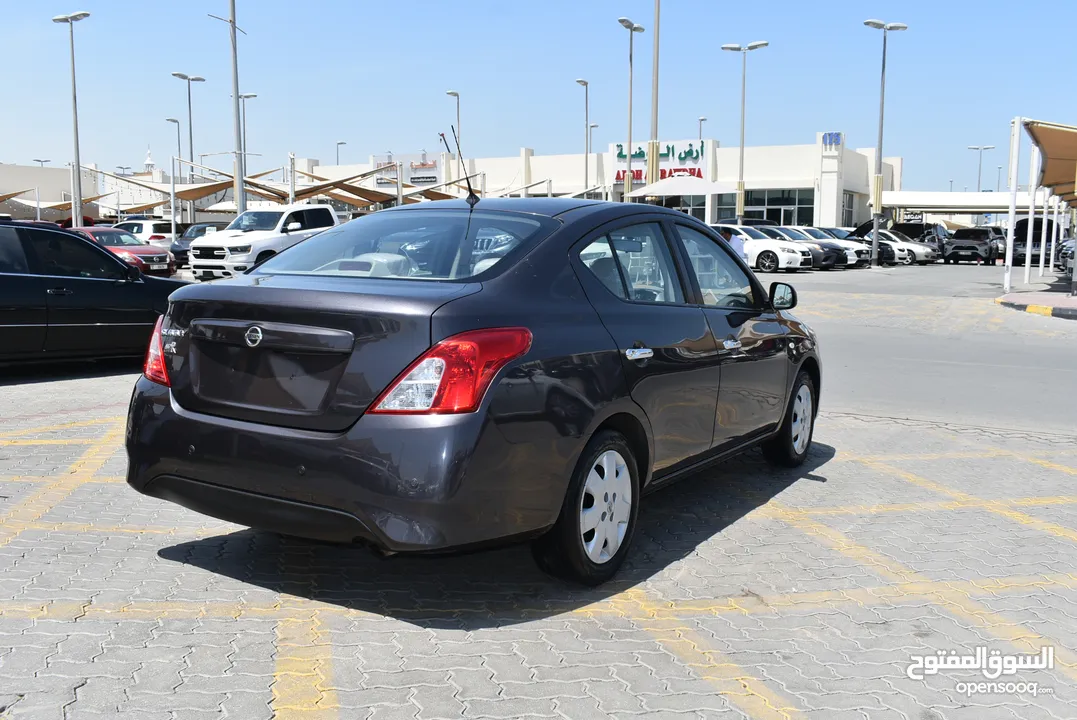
{"x":459,"y":132}
{"x":980,"y":166}
{"x":951,"y":185}
{"x":998,"y":180}
{"x":243,"y":118}
{"x":76,"y":168}
{"x":41,"y":163}
{"x":877,"y":185}
{"x":632,"y":28}
{"x":339,"y":143}
{"x":586,"y":131}
{"x":701,"y":121}
{"x":121,"y":168}
{"x":743,"y":87}
{"x":190,"y":120}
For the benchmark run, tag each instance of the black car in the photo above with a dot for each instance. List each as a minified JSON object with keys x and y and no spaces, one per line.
{"x":64,"y":296}
{"x":181,"y":246}
{"x":344,"y":391}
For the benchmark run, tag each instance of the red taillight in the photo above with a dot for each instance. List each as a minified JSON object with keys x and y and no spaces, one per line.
{"x":154,"y":368}
{"x":453,"y":376}
{"x":157,"y":237}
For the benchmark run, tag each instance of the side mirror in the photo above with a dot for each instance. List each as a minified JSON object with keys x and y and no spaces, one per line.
{"x":292,"y":226}
{"x":132,"y":274}
{"x":783,"y":296}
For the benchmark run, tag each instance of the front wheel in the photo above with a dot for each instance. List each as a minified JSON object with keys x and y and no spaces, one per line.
{"x":592,"y":534}
{"x":909,"y":258}
{"x":767,"y":261}
{"x":790,"y":446}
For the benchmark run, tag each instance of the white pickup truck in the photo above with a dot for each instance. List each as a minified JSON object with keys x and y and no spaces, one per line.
{"x":254,"y":236}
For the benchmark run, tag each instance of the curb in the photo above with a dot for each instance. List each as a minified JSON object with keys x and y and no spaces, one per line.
{"x":1045,"y":310}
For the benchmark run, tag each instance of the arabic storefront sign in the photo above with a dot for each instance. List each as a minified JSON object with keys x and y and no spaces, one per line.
{"x":684,"y":157}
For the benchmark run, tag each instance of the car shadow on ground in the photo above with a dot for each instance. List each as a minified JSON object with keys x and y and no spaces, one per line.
{"x":43,"y":372}
{"x":499,"y":587}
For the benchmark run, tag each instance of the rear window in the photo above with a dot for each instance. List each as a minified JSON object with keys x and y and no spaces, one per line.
{"x":413,"y":245}
{"x":162,"y":227}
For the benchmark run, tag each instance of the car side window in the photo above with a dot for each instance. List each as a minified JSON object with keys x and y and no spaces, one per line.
{"x":318,"y":218}
{"x":598,"y":258}
{"x":12,"y":256}
{"x":66,"y":256}
{"x":646,"y":264}
{"x":296,"y":216}
{"x":134,"y":228}
{"x":722,"y":282}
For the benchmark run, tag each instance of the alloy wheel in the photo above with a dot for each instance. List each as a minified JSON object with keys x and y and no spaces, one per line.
{"x":802,"y":419}
{"x":605,"y":507}
{"x":768,"y":262}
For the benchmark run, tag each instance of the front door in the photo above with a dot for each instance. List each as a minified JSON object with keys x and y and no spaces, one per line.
{"x":750,"y":340}
{"x":92,"y":306}
{"x":667,"y":349}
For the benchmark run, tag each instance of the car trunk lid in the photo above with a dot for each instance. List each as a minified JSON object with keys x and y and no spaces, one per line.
{"x":296,"y":351}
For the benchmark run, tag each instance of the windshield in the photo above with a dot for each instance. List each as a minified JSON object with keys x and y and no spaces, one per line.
{"x":900,"y":237}
{"x":413,"y":245}
{"x":971,"y":234}
{"x":752,"y":233}
{"x":772,"y":233}
{"x":255,"y":220}
{"x":837,"y":233}
{"x":197,"y":231}
{"x":794,"y":234}
{"x":116,"y":238}
{"x":815,"y":233}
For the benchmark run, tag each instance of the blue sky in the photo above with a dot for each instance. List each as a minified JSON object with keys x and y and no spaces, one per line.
{"x":375,"y":75}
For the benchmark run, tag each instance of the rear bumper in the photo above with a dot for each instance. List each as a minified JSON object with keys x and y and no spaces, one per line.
{"x":402,"y":483}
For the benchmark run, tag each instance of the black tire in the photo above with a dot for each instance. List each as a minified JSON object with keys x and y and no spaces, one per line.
{"x":910,"y":257}
{"x":791,"y":270}
{"x":767,"y":261}
{"x":946,"y":261}
{"x":560,"y":552}
{"x":781,"y":449}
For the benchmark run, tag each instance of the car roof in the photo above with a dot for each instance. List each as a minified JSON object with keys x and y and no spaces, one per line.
{"x":550,"y":207}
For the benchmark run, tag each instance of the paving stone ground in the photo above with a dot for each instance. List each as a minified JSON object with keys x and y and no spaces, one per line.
{"x":750,"y":592}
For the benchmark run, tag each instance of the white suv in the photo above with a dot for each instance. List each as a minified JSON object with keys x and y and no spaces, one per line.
{"x":254,"y":236}
{"x":151,"y":232}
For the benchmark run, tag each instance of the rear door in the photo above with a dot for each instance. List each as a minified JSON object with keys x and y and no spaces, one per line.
{"x":751,"y":341}
{"x":668,"y":352}
{"x":22,"y":299}
{"x":92,"y":307}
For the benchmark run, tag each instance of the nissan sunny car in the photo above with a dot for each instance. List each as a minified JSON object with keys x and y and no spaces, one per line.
{"x":436,"y":376}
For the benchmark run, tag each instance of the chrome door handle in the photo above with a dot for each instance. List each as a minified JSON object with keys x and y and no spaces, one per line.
{"x":639,"y":353}
{"x":731,"y":344}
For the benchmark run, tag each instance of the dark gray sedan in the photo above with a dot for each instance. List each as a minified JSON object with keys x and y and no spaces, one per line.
{"x":435,"y":377}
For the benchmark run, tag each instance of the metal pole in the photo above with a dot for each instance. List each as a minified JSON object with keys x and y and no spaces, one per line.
{"x":1033,"y":176}
{"x":1043,"y":231}
{"x":459,"y":140}
{"x":1054,"y":235}
{"x":652,"y":146}
{"x":979,"y":169}
{"x":998,"y":179}
{"x":549,"y":187}
{"x":877,"y":188}
{"x":1015,"y":156}
{"x":586,"y":134}
{"x":190,"y":134}
{"x":291,"y":178}
{"x":399,"y":184}
{"x":243,"y":112}
{"x":482,"y":185}
{"x":241,"y":161}
{"x":76,"y":169}
{"x":37,"y":203}
{"x":172,"y":194}
{"x":740,"y":168}
{"x":627,"y":188}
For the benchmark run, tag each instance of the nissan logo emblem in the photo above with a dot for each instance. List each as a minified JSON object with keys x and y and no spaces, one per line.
{"x":253,"y":336}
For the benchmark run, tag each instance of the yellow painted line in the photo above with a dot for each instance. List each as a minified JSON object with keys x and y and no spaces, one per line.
{"x":61,"y":426}
{"x":946,"y":595}
{"x":1039,"y":310}
{"x":738,"y":686}
{"x":302,"y":675}
{"x":1047,"y":464}
{"x":992,"y":506}
{"x":30,"y":509}
{"x":852,"y":457}
{"x":78,"y":441}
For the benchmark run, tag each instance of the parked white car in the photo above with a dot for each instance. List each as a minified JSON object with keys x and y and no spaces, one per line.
{"x":858,"y":254}
{"x":151,"y":232}
{"x":767,"y":254}
{"x":254,"y":236}
{"x":915,"y":253}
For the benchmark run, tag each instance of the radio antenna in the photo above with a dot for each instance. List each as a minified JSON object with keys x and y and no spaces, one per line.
{"x":472,"y":198}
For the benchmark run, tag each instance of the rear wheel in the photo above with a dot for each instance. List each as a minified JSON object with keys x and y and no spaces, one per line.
{"x":767,"y":261}
{"x":592,"y":535}
{"x":790,"y":446}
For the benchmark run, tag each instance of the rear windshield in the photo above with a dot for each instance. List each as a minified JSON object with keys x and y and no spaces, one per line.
{"x":162,"y":227}
{"x":971,"y":234}
{"x":413,"y":245}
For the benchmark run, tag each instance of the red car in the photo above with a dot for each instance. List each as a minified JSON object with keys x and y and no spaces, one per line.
{"x":151,"y":260}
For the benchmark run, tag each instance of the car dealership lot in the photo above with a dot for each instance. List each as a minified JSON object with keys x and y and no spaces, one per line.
{"x":935,"y":513}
